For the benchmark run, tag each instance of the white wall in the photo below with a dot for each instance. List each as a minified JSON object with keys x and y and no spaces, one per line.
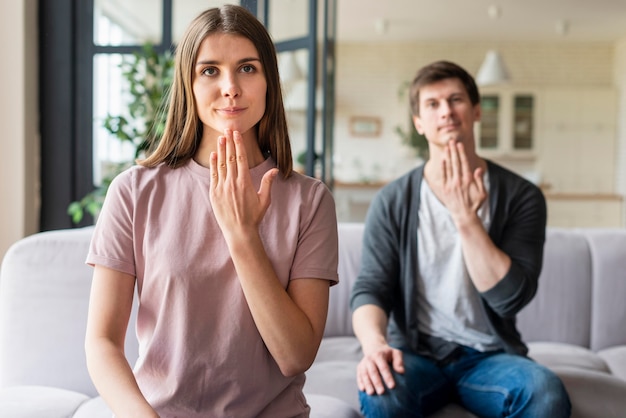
{"x":369,"y":75}
{"x":620,"y":80}
{"x":19,"y":119}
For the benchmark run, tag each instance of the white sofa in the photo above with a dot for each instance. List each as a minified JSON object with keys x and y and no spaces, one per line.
{"x":575,"y":325}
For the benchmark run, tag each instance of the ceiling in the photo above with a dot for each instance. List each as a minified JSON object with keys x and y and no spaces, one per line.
{"x":481,"y":20}
{"x":408,"y":20}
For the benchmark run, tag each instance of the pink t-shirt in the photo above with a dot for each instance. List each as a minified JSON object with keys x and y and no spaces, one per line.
{"x":200,"y":353}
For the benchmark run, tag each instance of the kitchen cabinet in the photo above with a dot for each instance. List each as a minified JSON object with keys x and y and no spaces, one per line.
{"x":508,"y":126}
{"x":578,"y":147}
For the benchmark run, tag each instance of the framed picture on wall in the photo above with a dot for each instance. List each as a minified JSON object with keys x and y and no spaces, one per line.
{"x":366,"y":126}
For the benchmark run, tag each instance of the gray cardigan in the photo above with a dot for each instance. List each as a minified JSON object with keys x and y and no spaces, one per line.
{"x":389,"y":266}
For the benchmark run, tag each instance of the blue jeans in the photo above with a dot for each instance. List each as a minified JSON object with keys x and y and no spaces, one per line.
{"x":486,"y":384}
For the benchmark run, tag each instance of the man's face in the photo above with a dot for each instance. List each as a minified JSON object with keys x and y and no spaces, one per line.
{"x":446,"y":113}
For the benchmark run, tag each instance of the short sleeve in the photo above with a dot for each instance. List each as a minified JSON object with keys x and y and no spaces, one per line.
{"x":112,"y":242}
{"x":317,"y":251}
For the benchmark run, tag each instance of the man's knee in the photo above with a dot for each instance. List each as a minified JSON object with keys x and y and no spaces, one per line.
{"x":395,"y":402}
{"x":414,"y":395}
{"x":544,"y":395}
{"x":553,"y":393}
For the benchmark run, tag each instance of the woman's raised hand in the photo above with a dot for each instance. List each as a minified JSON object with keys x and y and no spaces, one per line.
{"x":238,"y":207}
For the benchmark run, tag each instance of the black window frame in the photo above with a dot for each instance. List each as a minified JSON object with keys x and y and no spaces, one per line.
{"x":66,"y":97}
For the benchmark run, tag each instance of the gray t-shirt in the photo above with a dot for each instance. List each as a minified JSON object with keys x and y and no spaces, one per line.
{"x":449,"y":306}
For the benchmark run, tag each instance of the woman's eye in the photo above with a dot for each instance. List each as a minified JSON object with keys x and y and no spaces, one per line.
{"x":209,"y":71}
{"x":248,"y":68}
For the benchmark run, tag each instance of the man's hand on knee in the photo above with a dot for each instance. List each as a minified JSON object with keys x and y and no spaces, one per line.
{"x":374,"y":371}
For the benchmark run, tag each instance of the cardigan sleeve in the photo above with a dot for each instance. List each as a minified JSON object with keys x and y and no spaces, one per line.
{"x":518,"y":229}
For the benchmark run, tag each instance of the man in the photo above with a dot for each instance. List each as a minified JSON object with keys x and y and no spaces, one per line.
{"x":452,"y":251}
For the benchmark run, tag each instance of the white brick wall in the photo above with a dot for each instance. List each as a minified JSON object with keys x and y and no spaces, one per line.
{"x":369,"y":75}
{"x":620,"y":81}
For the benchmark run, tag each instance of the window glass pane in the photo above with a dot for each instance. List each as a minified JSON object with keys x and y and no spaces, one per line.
{"x":129,"y":93}
{"x":490,"y":106}
{"x":523,"y":122}
{"x":288,"y":19}
{"x":110,"y":98}
{"x":184,"y":11}
{"x":135,"y":22}
{"x":292,"y":67}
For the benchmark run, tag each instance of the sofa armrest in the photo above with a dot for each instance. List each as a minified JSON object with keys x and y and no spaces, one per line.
{"x":39,"y":402}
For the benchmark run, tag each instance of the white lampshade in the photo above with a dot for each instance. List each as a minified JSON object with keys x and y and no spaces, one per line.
{"x":493,"y":70}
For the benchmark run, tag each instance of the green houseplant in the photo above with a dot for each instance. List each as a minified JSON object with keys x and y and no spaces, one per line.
{"x":148,"y":75}
{"x":409,"y":134}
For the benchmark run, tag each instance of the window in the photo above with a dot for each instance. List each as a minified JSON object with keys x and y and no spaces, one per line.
{"x":83,"y":42}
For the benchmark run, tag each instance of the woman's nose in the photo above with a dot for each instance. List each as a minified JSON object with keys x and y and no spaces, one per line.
{"x":230,"y":87}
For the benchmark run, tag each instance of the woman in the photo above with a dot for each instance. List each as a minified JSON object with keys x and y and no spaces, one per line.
{"x":231,"y":252}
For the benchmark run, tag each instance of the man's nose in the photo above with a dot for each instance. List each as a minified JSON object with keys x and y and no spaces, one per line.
{"x":445,"y":107}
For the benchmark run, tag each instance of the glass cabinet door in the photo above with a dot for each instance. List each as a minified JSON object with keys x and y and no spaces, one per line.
{"x":490,"y":105}
{"x":507,"y":123}
{"x":523,"y":122}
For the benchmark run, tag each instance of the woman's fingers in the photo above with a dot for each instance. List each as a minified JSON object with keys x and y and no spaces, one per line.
{"x":231,"y":153}
{"x":215,"y":178}
{"x":231,"y":158}
{"x":241,"y":158}
{"x":221,"y":158}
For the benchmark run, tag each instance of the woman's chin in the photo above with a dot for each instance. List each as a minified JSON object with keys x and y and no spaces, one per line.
{"x":234,"y":127}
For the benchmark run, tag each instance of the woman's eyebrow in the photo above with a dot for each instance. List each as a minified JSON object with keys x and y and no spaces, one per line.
{"x":215,"y":62}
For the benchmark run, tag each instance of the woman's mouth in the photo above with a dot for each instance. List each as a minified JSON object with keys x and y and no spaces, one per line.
{"x":231,"y":111}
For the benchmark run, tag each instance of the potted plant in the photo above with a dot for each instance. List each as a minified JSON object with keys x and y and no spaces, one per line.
{"x":409,"y":135}
{"x":148,"y":74}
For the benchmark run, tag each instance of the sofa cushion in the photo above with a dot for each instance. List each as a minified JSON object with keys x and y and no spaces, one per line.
{"x":333,"y":378}
{"x":593,"y":394}
{"x":566,"y":275}
{"x":323,"y":406}
{"x":94,"y":408}
{"x":452,"y":411}
{"x":609,"y":287}
{"x":339,"y":319}
{"x":566,"y":355}
{"x":615,"y":358}
{"x":39,"y":402}
{"x":339,"y":348}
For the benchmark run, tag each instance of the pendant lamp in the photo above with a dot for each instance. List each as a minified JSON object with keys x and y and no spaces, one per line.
{"x":493,"y":70}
